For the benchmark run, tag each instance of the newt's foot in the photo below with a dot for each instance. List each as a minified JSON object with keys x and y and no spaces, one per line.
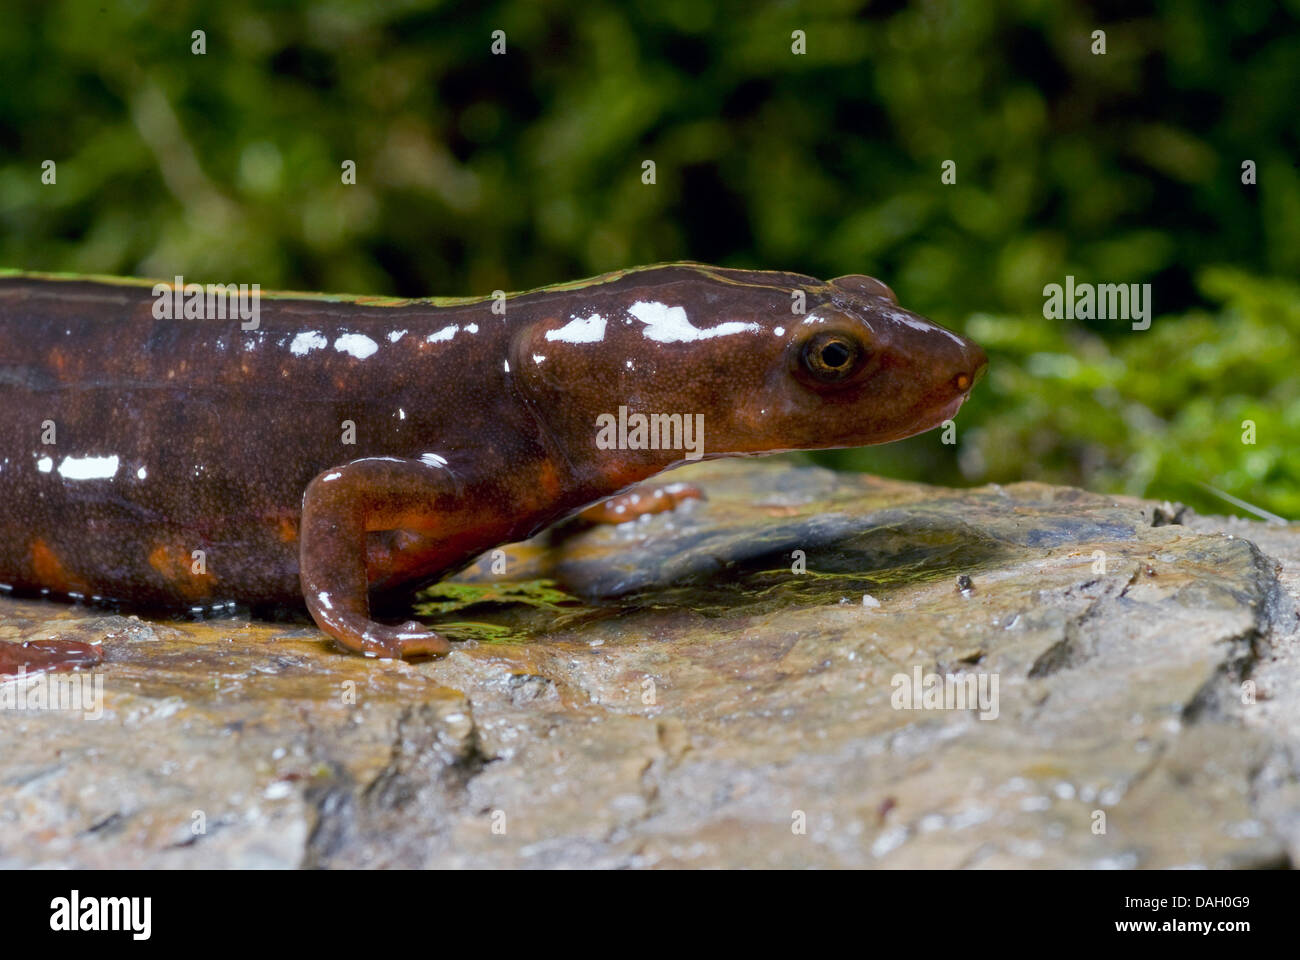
{"x":409,"y":639}
{"x":39,"y":656}
{"x":642,"y":500}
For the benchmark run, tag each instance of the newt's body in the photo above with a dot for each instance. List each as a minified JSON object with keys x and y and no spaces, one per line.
{"x":195,"y":463}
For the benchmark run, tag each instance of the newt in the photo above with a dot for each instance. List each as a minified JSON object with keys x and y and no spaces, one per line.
{"x":344,"y":451}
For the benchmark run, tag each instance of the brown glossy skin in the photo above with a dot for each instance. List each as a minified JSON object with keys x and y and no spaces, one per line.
{"x":472,"y":429}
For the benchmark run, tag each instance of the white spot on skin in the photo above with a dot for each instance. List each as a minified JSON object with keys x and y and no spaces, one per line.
{"x":45,"y":464}
{"x":396,"y":335}
{"x":401,"y":414}
{"x":538,"y":358}
{"x":357,"y":344}
{"x":578,"y":330}
{"x":507,"y":366}
{"x":88,"y":468}
{"x":779,"y":331}
{"x":471,"y":328}
{"x":667,"y":324}
{"x":306,"y":342}
{"x":141,"y":473}
{"x":446,"y":333}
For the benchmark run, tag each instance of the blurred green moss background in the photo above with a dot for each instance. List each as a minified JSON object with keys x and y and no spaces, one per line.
{"x":476,"y":172}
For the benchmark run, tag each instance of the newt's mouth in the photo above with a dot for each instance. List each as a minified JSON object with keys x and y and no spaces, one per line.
{"x":927,"y":419}
{"x":937,"y":416}
{"x":950,"y":410}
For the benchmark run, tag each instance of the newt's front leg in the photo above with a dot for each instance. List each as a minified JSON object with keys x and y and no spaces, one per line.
{"x":341,"y":508}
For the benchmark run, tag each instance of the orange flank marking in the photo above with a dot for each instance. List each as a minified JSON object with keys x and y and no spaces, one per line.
{"x":175,"y":565}
{"x":623,"y":474}
{"x":421,"y":520}
{"x":50,"y":572}
{"x":160,"y":559}
{"x":549,"y":480}
{"x":59,"y":361}
{"x":287,"y":529}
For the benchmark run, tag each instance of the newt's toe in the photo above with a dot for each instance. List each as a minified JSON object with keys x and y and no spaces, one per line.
{"x":403,"y":642}
{"x":417,"y":640}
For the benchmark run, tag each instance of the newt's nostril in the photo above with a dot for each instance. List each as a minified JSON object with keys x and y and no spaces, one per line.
{"x":966,"y":381}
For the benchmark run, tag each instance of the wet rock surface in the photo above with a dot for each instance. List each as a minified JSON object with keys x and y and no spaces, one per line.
{"x":718,"y":686}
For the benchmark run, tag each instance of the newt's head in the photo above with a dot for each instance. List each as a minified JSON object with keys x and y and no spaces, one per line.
{"x":858,"y":369}
{"x":853,"y":368}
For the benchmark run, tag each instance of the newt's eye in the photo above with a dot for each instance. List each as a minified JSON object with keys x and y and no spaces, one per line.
{"x":830,"y":357}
